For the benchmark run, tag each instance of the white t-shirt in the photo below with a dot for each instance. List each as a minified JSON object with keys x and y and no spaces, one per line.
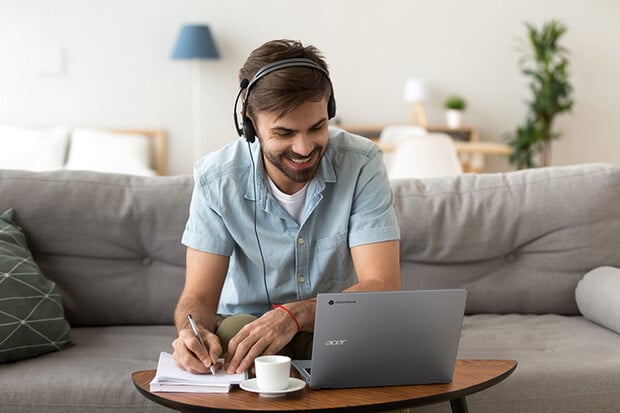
{"x":293,"y":204}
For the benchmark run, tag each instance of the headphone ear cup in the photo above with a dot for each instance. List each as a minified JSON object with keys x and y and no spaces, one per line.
{"x":331,"y":107}
{"x":248,"y":130}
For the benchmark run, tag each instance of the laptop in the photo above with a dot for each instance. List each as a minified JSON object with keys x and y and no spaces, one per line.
{"x":386,"y":338}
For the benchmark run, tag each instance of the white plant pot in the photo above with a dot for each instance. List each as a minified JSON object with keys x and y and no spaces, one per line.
{"x":454,"y":118}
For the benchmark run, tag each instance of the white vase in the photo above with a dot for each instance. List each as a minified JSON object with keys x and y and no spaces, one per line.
{"x":454,"y":118}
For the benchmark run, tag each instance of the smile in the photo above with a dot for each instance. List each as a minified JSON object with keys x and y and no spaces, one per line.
{"x":301,"y":161}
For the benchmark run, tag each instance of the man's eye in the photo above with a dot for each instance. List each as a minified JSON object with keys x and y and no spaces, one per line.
{"x":318,"y":127}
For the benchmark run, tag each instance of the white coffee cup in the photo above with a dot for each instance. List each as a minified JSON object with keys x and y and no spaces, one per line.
{"x":272,"y":372}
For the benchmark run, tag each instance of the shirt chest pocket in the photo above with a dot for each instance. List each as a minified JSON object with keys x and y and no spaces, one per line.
{"x":333,"y":258}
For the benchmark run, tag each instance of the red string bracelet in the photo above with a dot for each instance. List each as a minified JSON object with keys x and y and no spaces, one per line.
{"x":289,"y":313}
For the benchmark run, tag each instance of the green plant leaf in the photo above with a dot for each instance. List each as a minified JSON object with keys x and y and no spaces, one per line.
{"x":545,"y":64}
{"x":455,"y":102}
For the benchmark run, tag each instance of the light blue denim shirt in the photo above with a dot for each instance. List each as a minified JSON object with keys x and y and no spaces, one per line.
{"x":349,"y":202}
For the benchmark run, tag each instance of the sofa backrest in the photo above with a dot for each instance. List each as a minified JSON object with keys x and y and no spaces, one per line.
{"x":110,"y":242}
{"x":518,"y":241}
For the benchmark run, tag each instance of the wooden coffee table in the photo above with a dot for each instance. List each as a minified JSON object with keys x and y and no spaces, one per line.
{"x":470,"y":376}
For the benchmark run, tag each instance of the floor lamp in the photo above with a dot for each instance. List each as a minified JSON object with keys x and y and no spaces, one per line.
{"x":415,"y":92}
{"x":196,"y":43}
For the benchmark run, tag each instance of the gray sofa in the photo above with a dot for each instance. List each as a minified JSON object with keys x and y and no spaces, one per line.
{"x":519,"y":242}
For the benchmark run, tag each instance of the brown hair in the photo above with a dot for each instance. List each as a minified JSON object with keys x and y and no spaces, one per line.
{"x":284,"y":90}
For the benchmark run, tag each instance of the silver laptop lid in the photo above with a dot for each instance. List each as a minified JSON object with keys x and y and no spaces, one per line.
{"x":386,"y":338}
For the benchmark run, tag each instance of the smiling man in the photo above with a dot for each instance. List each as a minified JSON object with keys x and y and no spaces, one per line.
{"x":303,"y":209}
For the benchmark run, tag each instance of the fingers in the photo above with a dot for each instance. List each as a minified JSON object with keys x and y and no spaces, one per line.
{"x":215,"y":349}
{"x":191,"y":356}
{"x":185,"y":359}
{"x":244,"y":350}
{"x":266,"y":335}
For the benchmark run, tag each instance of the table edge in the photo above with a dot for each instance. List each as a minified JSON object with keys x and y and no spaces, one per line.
{"x":408,"y":403}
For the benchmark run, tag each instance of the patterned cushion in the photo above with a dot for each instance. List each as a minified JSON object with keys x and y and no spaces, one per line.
{"x":31,"y":314}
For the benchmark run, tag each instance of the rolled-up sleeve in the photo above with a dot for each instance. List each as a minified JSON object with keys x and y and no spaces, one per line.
{"x":373,"y":218}
{"x":205,"y":229}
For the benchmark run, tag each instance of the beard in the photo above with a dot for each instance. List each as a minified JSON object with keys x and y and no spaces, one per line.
{"x":299,"y":174}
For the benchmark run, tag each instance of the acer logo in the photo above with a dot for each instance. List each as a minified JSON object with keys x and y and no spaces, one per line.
{"x":335,"y":342}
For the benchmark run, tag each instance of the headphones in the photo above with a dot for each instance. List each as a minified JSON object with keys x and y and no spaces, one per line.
{"x":246,"y":129}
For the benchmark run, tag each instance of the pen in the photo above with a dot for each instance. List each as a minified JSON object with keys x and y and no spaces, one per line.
{"x":197,"y":334}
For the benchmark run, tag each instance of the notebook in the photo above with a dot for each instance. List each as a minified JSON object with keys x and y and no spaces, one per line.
{"x":171,"y":378}
{"x":384,"y":338}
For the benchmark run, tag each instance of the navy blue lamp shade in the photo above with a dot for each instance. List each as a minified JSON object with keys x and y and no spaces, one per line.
{"x":195,"y":42}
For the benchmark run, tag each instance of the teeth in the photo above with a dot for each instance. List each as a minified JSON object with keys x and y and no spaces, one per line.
{"x":302,"y":160}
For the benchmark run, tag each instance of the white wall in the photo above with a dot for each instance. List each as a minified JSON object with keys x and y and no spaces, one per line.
{"x":117,"y":70}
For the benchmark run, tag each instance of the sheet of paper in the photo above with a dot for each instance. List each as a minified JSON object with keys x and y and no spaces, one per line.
{"x":169,"y":372}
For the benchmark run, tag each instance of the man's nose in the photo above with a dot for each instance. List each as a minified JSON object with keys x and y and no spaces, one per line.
{"x":302,"y":145}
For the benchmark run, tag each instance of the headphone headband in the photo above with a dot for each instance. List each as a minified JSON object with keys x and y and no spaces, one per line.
{"x":283,"y":64}
{"x":247,"y":128}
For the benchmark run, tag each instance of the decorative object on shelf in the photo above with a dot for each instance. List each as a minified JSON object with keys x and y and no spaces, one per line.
{"x":546,"y":65}
{"x":196,"y":43}
{"x":415,"y":92}
{"x":455,"y":105}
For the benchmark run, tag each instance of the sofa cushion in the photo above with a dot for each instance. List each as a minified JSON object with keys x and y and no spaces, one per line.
{"x":31,"y":313}
{"x":92,"y":376}
{"x":110,"y":233}
{"x":565,"y":364}
{"x":598,"y":297}
{"x":518,"y":241}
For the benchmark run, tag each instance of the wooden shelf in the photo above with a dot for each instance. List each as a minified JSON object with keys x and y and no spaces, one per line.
{"x":465,"y":133}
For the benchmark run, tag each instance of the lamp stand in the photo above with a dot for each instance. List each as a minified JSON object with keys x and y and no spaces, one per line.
{"x":198,"y":148}
{"x":417,"y":113}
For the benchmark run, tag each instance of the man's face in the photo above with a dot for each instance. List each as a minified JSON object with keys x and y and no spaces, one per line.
{"x":293,"y":144}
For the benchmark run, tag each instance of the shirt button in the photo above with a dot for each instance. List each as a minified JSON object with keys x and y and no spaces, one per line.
{"x":300,"y":241}
{"x":301,"y":279}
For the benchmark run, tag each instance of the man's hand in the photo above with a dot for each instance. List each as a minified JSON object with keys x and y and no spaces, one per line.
{"x":191,"y":356}
{"x":266,"y":335}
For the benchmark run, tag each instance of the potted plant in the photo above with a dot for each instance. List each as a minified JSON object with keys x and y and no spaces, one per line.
{"x":455,"y":105}
{"x":546,"y":65}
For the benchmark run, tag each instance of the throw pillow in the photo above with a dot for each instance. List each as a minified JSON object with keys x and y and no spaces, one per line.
{"x":597,"y":297}
{"x":98,"y":150}
{"x":33,"y":149}
{"x":31,"y":313}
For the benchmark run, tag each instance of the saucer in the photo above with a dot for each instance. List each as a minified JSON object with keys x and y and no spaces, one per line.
{"x":293,"y":385}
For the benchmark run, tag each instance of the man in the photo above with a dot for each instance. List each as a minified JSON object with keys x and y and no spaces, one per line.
{"x":272,"y":223}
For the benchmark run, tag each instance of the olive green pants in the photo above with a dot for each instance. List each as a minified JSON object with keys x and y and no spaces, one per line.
{"x":299,"y":348}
